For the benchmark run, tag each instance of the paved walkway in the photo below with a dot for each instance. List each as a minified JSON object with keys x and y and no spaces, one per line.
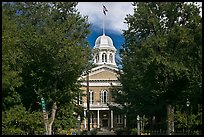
{"x":104,"y":131}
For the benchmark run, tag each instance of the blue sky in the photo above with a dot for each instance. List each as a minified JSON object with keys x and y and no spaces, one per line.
{"x":113,"y":20}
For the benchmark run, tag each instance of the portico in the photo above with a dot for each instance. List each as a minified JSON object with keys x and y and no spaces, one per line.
{"x":100,"y":117}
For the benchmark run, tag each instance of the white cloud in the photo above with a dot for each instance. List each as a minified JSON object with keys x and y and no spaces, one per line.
{"x":114,"y":20}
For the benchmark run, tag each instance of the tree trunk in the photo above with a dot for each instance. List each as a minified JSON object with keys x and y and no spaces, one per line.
{"x":49,"y":129}
{"x":54,"y":108}
{"x":170,"y":120}
{"x":52,"y":118}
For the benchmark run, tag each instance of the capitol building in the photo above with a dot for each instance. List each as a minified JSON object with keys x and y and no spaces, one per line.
{"x":100,"y":79}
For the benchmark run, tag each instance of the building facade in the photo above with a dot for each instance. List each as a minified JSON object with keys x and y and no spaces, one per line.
{"x":101,"y":78}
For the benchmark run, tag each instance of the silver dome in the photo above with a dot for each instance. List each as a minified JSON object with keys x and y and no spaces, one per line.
{"x":104,"y":42}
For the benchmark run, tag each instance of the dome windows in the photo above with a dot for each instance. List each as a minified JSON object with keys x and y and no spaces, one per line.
{"x":97,"y":58}
{"x":111,"y":58}
{"x":104,"y":57}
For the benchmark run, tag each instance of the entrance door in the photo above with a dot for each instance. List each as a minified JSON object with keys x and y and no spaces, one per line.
{"x":105,"y":123}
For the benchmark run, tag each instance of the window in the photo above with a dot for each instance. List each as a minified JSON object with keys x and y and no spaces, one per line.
{"x":111,"y":58}
{"x":91,"y":118}
{"x":119,"y":118}
{"x":104,"y":57}
{"x":80,"y":99}
{"x":104,"y":96}
{"x":97,"y":58}
{"x":91,"y":97}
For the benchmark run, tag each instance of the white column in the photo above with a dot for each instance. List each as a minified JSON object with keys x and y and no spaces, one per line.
{"x":84,"y":119}
{"x":84,"y":123}
{"x":100,"y":57}
{"x":111,"y":119}
{"x":94,"y":57}
{"x":108,"y":60}
{"x":124,"y":121}
{"x":114,"y":58}
{"x":98,"y":119}
{"x":138,"y":125}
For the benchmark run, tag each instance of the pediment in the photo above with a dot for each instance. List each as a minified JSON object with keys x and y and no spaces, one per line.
{"x":103,"y":75}
{"x":103,"y":72}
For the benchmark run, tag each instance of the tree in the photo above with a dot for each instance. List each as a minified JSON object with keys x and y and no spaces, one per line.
{"x":185,"y":121}
{"x":11,"y":54}
{"x":52,"y":37}
{"x":161,"y":58}
{"x":18,"y":121}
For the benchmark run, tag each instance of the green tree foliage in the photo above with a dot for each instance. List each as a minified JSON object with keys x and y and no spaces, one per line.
{"x":161,"y":57}
{"x":18,"y":121}
{"x":55,"y":48}
{"x":11,"y":54}
{"x":65,"y":119}
{"x":186,"y":119}
{"x":44,"y":52}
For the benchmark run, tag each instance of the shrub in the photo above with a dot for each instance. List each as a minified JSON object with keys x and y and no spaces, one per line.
{"x":84,"y":132}
{"x":94,"y":131}
{"x":133,"y":131}
{"x":122,"y":131}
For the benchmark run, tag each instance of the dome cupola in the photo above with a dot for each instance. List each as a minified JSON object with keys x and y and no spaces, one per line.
{"x":104,"y":51}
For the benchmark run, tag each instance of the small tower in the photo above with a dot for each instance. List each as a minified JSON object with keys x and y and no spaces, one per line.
{"x":104,"y":51}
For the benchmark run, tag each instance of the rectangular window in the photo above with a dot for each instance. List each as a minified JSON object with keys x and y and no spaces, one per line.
{"x":91,"y":97}
{"x":119,"y":119}
{"x":80,"y":99}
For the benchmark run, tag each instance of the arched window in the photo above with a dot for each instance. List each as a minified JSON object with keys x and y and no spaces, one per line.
{"x":111,"y":58}
{"x":97,"y":58}
{"x":104,"y":57}
{"x":104,"y":96}
{"x":91,"y":97}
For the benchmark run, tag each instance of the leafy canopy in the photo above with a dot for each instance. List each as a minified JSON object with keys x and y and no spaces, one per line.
{"x":161,"y":57}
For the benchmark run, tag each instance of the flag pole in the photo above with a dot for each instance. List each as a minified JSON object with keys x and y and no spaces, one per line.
{"x":103,"y":25}
{"x":104,"y":11}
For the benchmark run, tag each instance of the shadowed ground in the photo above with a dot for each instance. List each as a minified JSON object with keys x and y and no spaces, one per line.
{"x":104,"y":131}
